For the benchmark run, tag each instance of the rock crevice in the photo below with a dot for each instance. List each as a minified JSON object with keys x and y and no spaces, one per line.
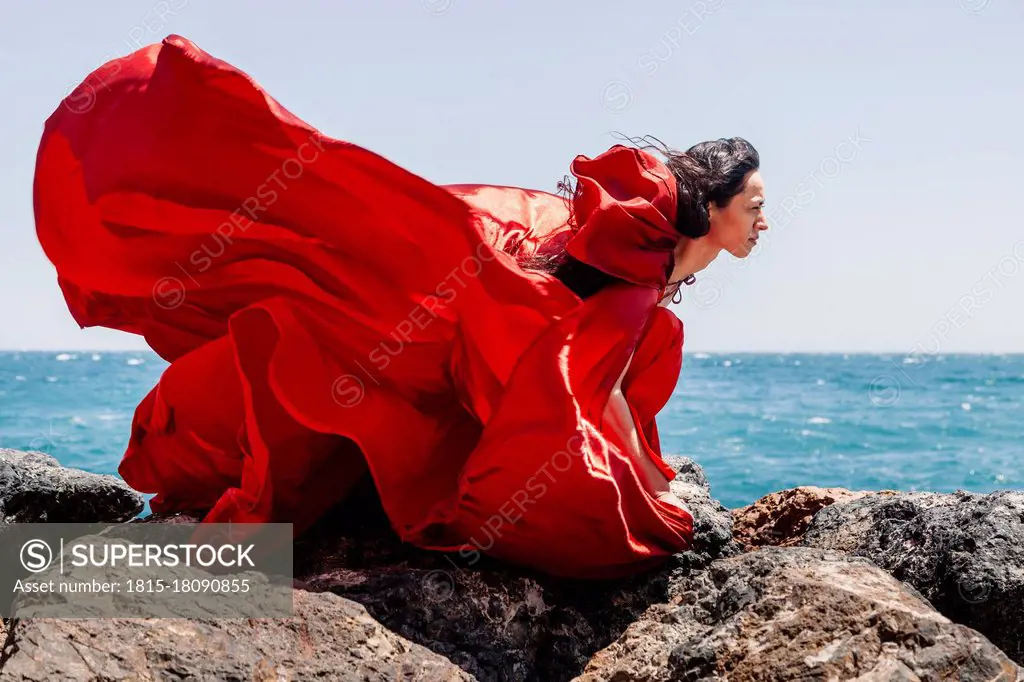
{"x":8,"y":633}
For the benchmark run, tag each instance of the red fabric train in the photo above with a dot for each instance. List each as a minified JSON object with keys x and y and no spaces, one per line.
{"x":328,"y":314}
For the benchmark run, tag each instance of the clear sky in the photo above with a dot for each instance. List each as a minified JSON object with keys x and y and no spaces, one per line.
{"x":889,"y":135}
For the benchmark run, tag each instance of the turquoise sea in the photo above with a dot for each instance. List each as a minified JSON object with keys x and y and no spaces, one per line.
{"x":756,"y":422}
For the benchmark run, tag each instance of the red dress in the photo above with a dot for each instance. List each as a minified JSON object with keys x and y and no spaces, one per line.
{"x":325,"y":313}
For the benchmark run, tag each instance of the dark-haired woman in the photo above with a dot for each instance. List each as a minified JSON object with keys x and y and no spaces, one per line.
{"x":493,"y":357}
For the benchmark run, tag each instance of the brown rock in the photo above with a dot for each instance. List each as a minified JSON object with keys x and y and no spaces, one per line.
{"x":328,"y":638}
{"x":780,"y":519}
{"x":796,"y":614}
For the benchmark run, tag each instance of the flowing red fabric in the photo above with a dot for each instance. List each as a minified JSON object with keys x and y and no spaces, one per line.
{"x":327,"y":314}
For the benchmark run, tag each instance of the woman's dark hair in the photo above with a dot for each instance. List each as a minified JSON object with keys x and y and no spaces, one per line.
{"x":712,"y":171}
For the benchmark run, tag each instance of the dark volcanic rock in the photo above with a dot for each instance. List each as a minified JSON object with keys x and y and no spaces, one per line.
{"x":963,"y":551}
{"x":712,"y":523}
{"x":328,"y":638}
{"x":497,"y":622}
{"x":35,"y":488}
{"x":796,"y":614}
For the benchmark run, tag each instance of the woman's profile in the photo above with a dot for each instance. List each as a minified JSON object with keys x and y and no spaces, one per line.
{"x":494,"y":357}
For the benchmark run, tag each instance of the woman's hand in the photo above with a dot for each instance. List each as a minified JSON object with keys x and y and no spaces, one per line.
{"x":618,"y":417}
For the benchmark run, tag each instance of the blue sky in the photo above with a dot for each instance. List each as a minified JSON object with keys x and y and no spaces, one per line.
{"x":888,"y":132}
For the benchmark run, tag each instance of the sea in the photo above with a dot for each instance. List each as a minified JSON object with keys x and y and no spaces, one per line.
{"x":757,"y":423}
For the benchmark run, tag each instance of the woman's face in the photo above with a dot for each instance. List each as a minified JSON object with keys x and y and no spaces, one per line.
{"x":735,"y":227}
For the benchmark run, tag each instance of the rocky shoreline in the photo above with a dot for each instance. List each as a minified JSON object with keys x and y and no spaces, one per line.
{"x":805,"y":584}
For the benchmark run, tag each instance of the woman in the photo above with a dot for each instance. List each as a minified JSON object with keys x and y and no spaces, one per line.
{"x":493,"y":357}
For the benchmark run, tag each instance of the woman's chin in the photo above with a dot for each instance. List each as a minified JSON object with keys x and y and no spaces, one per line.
{"x":741,"y":251}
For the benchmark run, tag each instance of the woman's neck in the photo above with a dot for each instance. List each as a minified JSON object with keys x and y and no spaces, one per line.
{"x":692,"y":256}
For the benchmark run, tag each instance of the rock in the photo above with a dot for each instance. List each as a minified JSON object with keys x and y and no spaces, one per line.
{"x":780,"y":519}
{"x":35,"y":488}
{"x":712,"y":523}
{"x":496,"y":621}
{"x":328,"y":638}
{"x":964,"y":552}
{"x":796,"y":614}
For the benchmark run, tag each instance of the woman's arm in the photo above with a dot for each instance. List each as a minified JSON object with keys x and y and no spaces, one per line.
{"x":619,"y":418}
